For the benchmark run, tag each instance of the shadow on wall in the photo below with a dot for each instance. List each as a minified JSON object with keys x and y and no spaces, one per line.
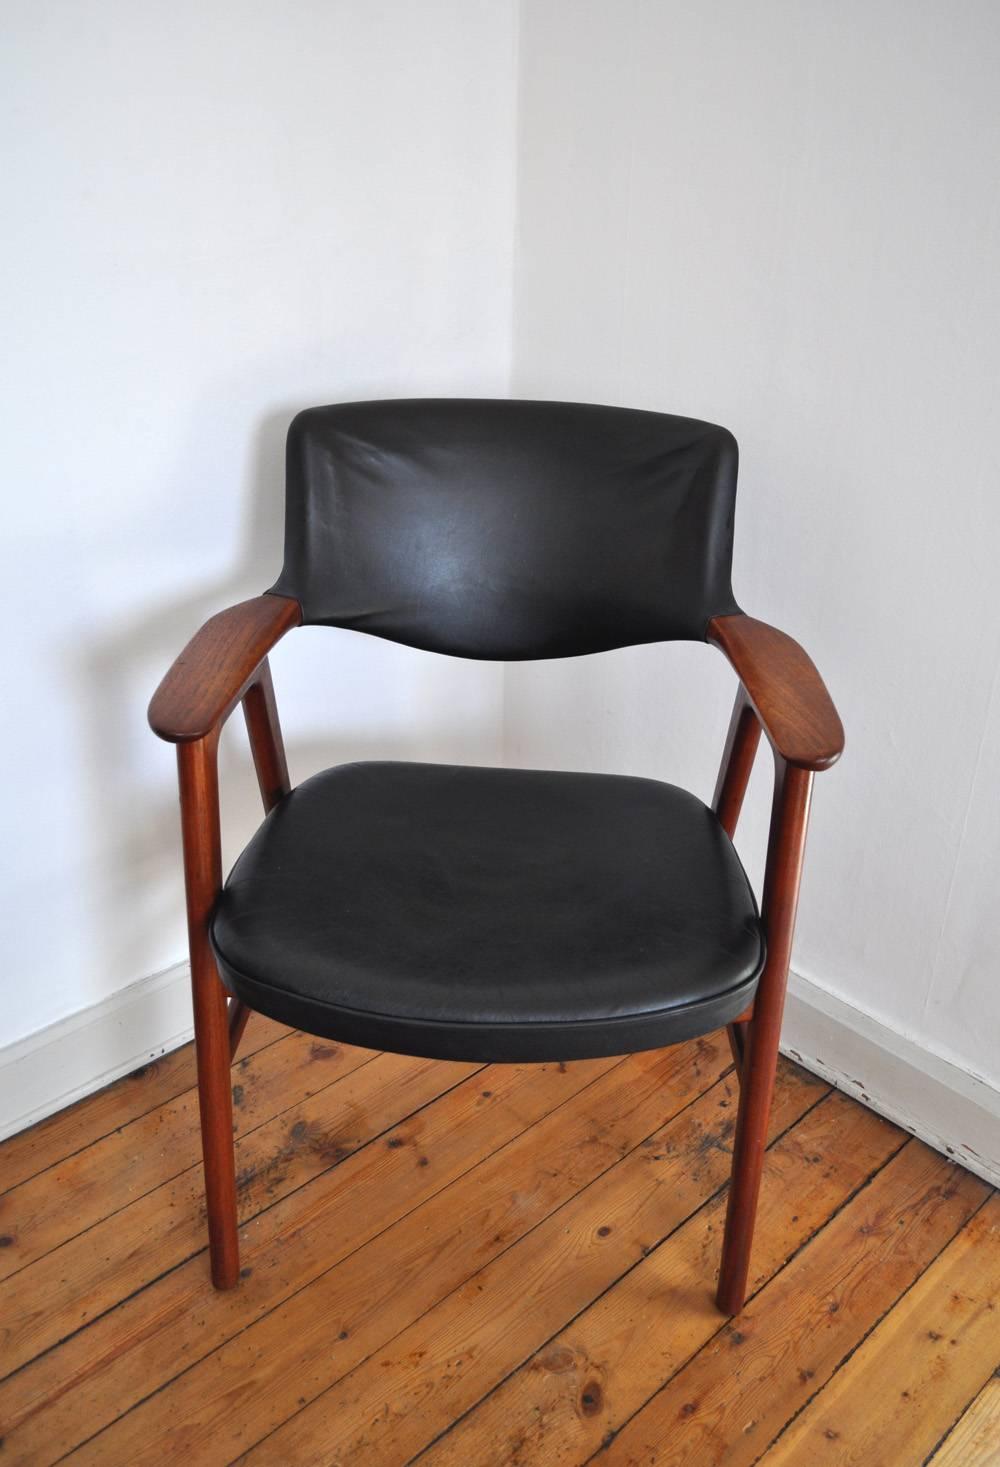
{"x":137,"y":873}
{"x":135,"y":901}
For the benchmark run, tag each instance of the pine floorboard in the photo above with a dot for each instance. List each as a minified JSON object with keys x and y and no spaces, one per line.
{"x":467,"y":1265}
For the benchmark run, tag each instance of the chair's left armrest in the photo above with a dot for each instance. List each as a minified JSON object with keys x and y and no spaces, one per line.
{"x":788,"y":695}
{"x":210,"y":676}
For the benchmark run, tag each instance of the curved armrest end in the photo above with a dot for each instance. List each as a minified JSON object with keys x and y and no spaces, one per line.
{"x":207,"y":680}
{"x":788,"y":694}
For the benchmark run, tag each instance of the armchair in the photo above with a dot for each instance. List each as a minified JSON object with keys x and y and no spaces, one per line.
{"x":564,"y":915}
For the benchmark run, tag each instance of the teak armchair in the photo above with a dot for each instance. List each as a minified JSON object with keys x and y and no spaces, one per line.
{"x":489,"y":914}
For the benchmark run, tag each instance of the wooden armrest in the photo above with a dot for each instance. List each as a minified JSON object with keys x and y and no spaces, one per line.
{"x":210,"y":676}
{"x":788,"y":695}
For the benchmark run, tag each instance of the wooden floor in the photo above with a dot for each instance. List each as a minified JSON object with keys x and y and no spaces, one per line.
{"x":471,"y":1266}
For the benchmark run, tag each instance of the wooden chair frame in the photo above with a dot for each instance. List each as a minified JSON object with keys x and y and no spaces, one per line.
{"x":225,"y":664}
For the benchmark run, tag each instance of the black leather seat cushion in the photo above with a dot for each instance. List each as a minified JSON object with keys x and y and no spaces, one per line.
{"x":490,"y":914}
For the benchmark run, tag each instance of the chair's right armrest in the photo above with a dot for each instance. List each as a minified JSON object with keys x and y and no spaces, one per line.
{"x":210,"y":676}
{"x":788,"y":695}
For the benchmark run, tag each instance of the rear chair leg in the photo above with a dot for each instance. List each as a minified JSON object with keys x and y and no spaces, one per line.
{"x":737,"y":1032}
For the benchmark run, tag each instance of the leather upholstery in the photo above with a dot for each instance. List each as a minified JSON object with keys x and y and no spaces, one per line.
{"x":490,"y":914}
{"x":505,"y":529}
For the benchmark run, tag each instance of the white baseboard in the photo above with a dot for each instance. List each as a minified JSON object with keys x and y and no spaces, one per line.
{"x":65,"y":1061}
{"x":952,"y":1110}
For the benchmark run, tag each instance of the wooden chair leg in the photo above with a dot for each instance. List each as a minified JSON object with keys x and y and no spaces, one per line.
{"x":756,"y":1092}
{"x":219,"y":1024}
{"x":737,"y":1032}
{"x":781,"y":887}
{"x":198,"y":775}
{"x":237,"y":1017}
{"x":215,"y":1103}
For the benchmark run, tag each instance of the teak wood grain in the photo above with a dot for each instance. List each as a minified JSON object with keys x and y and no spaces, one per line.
{"x":260,"y":712}
{"x":224,"y":664}
{"x":509,"y":1266}
{"x":781,"y":680}
{"x":208,"y":679}
{"x":757,"y":1054}
{"x":214,"y":1040}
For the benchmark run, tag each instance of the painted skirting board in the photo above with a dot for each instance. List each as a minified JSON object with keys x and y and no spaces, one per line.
{"x":952,"y":1110}
{"x":50,"y":1069}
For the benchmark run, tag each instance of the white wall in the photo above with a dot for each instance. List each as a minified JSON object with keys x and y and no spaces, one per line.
{"x":783,"y":216}
{"x":215,"y":213}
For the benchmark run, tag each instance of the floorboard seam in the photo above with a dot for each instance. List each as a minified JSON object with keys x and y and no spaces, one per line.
{"x":242,"y":1136}
{"x":827,"y":1092}
{"x":728,"y":1071}
{"x":874,"y":1326}
{"x":994,"y":1374}
{"x":94,"y":1140}
{"x":401,"y":1217}
{"x":181,"y":1262}
{"x":724,"y":1323}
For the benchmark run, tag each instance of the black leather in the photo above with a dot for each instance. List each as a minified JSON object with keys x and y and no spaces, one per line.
{"x":509,"y":530}
{"x":490,"y":914}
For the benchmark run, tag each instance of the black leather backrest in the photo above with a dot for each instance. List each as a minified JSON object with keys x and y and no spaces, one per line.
{"x":509,"y":530}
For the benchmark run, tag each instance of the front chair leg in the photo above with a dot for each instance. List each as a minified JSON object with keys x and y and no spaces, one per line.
{"x":198,"y":773}
{"x":759,"y":1068}
{"x":786,"y":844}
{"x":215,"y":1104}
